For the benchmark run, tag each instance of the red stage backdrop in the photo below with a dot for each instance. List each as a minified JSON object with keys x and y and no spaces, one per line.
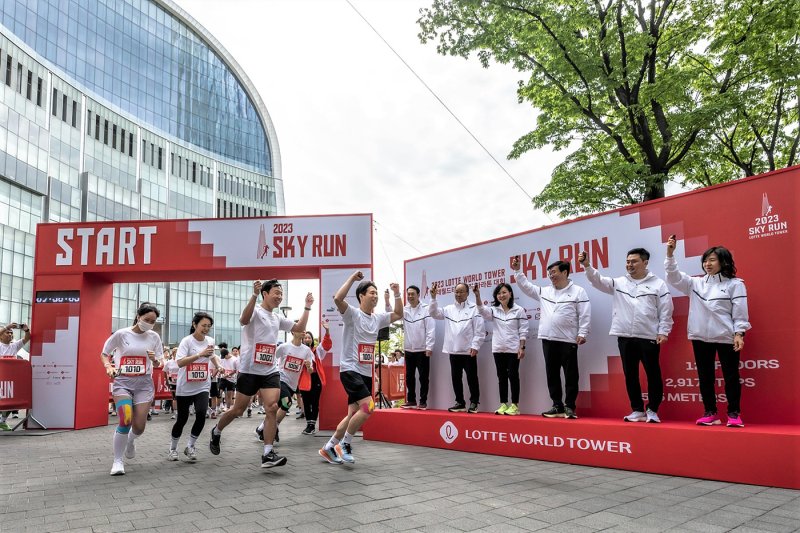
{"x":77,"y":264}
{"x":756,"y":218}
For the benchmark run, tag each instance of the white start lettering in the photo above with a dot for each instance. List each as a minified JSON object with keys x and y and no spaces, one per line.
{"x":112,"y":246}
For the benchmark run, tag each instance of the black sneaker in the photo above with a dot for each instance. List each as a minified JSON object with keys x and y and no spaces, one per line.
{"x":272,"y":459}
{"x":570,"y":413}
{"x":301,"y":415}
{"x":277,"y":435}
{"x":249,"y":412}
{"x":458,"y":408}
{"x":473,"y":408}
{"x":554,"y":412}
{"x":214,"y":444}
{"x":260,"y":434}
{"x":311,"y":428}
{"x":149,"y":417}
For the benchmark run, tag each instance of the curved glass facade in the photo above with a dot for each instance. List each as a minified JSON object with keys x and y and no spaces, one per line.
{"x":140,"y":58}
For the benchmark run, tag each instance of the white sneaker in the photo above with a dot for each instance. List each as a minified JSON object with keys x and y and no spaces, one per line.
{"x":130,"y":449}
{"x":118,"y":468}
{"x":173,"y":417}
{"x":652,"y":417}
{"x":172,"y":455}
{"x":636,"y":416}
{"x":191,"y":453}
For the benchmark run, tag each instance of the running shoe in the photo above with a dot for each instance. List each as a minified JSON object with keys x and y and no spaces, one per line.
{"x":636,"y":416}
{"x":458,"y":408}
{"x":345,"y":451}
{"x":118,"y":468}
{"x":409,"y":405}
{"x":113,"y":413}
{"x":172,"y":455}
{"x":709,"y":418}
{"x":213,"y":414}
{"x":153,"y":412}
{"x":249,"y":412}
{"x":569,"y":412}
{"x":735,"y":420}
{"x":272,"y":459}
{"x":513,"y":410}
{"x":130,"y":449}
{"x":173,"y":417}
{"x":311,"y":428}
{"x":215,"y":441}
{"x":330,"y":456}
{"x":652,"y":417}
{"x":554,"y":412}
{"x":149,"y":417}
{"x":15,"y":415}
{"x":423,"y":407}
{"x":301,"y":415}
{"x":261,"y":411}
{"x":502,"y":409}
{"x":4,"y":427}
{"x":260,"y":434}
{"x":473,"y":408}
{"x":190,"y":453}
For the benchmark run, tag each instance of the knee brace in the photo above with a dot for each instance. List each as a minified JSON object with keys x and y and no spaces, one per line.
{"x":285,"y":403}
{"x":124,"y":415}
{"x":368,"y":407}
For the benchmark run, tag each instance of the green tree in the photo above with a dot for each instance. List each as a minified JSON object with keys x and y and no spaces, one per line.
{"x":698,"y":92}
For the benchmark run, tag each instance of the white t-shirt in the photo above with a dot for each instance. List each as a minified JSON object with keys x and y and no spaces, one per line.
{"x":292,"y":359}
{"x":358,"y":339}
{"x":129,"y":350}
{"x":10,"y":350}
{"x":195,"y":377}
{"x":259,"y":342}
{"x":231,"y":366}
{"x":171,"y":369}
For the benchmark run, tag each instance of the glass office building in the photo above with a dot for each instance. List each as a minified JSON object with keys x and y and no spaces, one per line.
{"x":126,"y":109}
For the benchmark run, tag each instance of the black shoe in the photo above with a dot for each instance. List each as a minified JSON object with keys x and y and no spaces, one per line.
{"x":149,"y":417}
{"x":249,"y":412}
{"x":554,"y":412}
{"x":311,"y":428}
{"x":272,"y":459}
{"x":570,"y":413}
{"x":458,"y":408}
{"x":473,"y":408}
{"x":301,"y":415}
{"x":214,"y":444}
{"x":277,"y":435}
{"x":260,"y":434}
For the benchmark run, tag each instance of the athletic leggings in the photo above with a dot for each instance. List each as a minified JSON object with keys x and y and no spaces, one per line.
{"x":200,"y":401}
{"x":704,"y":356}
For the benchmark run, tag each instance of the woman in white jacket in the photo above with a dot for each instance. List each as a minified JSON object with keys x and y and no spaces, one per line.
{"x":508,"y":342}
{"x":717,"y":322}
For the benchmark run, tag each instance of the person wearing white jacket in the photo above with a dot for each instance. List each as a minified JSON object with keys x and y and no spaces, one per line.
{"x":508,"y":342}
{"x":716,"y":325}
{"x":464,"y":333}
{"x":641,"y":321}
{"x":418,"y":338}
{"x":563,"y":326}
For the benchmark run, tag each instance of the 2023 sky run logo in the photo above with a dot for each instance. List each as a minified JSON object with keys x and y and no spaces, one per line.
{"x":769,"y":223}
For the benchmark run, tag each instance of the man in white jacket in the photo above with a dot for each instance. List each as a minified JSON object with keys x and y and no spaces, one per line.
{"x":563,"y":326}
{"x":464,"y":333}
{"x":418,"y":339}
{"x":641,"y":321}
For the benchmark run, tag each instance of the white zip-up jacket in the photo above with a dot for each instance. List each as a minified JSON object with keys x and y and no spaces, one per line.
{"x":510,"y":328}
{"x":566,"y":313}
{"x":717,"y":305}
{"x":463,"y":327}
{"x":418,"y":328}
{"x":642,"y":308}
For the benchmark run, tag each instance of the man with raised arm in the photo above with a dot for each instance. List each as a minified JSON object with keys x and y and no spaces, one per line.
{"x":418,"y":338}
{"x":361,"y":326}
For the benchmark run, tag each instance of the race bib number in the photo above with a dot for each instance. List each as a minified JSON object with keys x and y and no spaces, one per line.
{"x":366,"y":354}
{"x":264,"y":354}
{"x":133,"y":365}
{"x":293,"y":364}
{"x":197,"y":372}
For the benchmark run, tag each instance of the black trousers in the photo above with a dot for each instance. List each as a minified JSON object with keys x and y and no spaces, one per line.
{"x":507,"y":366}
{"x":417,"y":361}
{"x":200,"y":401}
{"x":311,"y":398}
{"x":459,"y":363}
{"x":634,"y":351}
{"x":558,"y":355}
{"x":704,"y":355}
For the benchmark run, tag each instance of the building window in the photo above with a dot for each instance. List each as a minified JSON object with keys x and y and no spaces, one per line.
{"x":89,"y":122}
{"x":114,"y":136}
{"x":19,"y":78}
{"x":130,"y":144}
{"x":64,"y":108}
{"x":122,"y":141}
{"x":39,"y":92}
{"x":105,"y":132}
{"x":9,"y":62}
{"x":97,"y":127}
{"x":159,"y":157}
{"x":55,"y":100}
{"x":144,"y":151}
{"x":74,"y":113}
{"x":29,"y":91}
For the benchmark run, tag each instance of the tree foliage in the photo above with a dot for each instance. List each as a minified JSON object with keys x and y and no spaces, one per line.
{"x":697,"y":92}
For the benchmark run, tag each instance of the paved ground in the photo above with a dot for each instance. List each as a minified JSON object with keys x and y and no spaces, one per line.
{"x":60,"y":482}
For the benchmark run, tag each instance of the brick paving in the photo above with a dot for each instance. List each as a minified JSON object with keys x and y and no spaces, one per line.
{"x":60,"y":482}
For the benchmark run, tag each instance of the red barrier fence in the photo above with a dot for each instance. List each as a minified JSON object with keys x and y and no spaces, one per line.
{"x":15,"y":384}
{"x":393,"y":382}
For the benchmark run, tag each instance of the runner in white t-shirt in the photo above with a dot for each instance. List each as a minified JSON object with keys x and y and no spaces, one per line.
{"x":361,"y":326}
{"x":9,"y":349}
{"x":227,"y":382}
{"x":258,"y":371}
{"x":195,"y":361}
{"x":129,"y":356}
{"x":171,"y":371}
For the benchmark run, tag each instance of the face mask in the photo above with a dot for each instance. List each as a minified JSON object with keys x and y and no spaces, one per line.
{"x":144,"y":326}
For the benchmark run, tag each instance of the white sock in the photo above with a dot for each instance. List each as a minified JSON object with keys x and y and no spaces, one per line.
{"x":173,"y":445}
{"x":132,"y":436}
{"x":120,"y":441}
{"x":192,"y":441}
{"x":347,"y":438}
{"x":261,"y":426}
{"x":331,"y":443}
{"x":215,"y":431}
{"x":267,"y":448}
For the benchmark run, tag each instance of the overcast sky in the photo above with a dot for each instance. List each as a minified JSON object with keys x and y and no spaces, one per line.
{"x":359,"y":133}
